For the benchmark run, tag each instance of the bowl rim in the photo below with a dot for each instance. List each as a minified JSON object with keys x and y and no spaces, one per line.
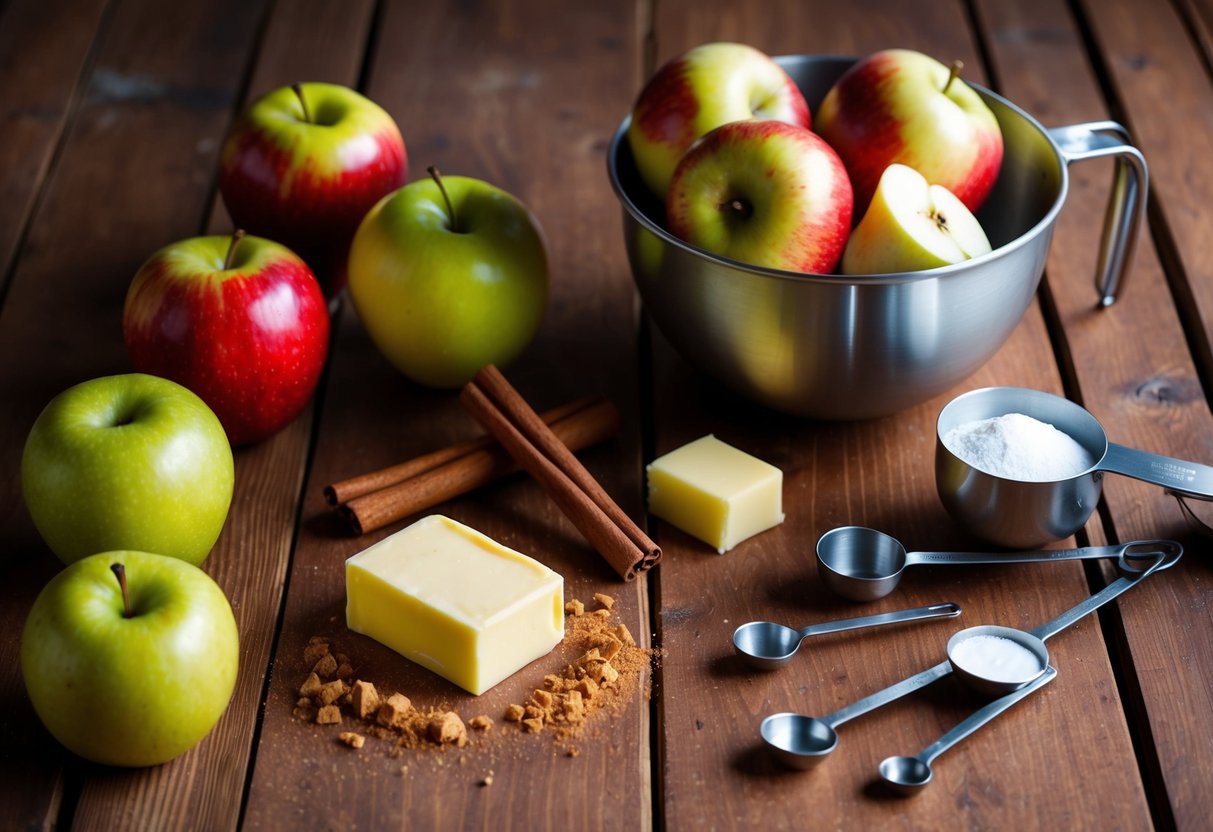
{"x":1042,"y":226}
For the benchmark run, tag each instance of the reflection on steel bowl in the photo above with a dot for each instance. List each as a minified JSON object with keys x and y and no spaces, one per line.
{"x":833,"y":347}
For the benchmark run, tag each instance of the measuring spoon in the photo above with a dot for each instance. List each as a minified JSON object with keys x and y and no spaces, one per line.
{"x":864,"y":564}
{"x":1021,"y":514}
{"x":907,"y":775}
{"x":767,"y":645}
{"x":801,"y":741}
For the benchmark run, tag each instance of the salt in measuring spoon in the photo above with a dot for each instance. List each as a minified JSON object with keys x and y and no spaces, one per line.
{"x":767,"y":645}
{"x":802,"y":742}
{"x":908,"y":775}
{"x":863,"y":564}
{"x":979,"y":678}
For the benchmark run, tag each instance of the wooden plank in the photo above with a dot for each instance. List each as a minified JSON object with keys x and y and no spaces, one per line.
{"x":43,"y":49}
{"x":524,"y":96}
{"x":1134,"y":368}
{"x":876,"y":473}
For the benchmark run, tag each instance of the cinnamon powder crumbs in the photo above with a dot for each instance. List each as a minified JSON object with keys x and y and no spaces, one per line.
{"x":601,"y":680}
{"x":488,"y":779}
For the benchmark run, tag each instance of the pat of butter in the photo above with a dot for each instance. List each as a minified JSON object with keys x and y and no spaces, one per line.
{"x":716,"y":492}
{"x":455,"y":601}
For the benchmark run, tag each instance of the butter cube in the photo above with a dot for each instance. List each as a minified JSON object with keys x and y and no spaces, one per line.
{"x":455,"y":601}
{"x":715,"y":492}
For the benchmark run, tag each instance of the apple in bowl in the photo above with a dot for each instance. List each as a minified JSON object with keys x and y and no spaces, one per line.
{"x":699,"y":90}
{"x":765,"y":193}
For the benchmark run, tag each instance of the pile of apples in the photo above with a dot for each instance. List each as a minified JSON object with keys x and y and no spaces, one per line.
{"x":130,"y":653}
{"x":884,"y":178}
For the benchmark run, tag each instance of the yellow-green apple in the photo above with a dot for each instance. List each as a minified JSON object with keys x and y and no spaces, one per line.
{"x":449,"y":274}
{"x":911,"y":225}
{"x":765,"y":193}
{"x":303,"y":164}
{"x":901,"y":106}
{"x":128,"y":462}
{"x":130,"y":658}
{"x":700,"y":90}
{"x":239,"y":320}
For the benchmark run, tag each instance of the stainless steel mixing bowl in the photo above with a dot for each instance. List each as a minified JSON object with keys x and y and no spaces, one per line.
{"x":833,"y":347}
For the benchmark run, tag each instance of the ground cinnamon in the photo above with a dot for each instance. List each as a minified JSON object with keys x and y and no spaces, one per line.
{"x":506,"y":415}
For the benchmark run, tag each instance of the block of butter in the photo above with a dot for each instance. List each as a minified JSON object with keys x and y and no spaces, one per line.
{"x":455,"y":601}
{"x":715,"y":492}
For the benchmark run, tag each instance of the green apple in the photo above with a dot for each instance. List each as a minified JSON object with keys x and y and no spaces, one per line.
{"x":449,"y":274}
{"x":128,"y":462}
{"x":130,"y":666}
{"x":699,"y":90}
{"x":765,"y":193}
{"x":911,"y":225}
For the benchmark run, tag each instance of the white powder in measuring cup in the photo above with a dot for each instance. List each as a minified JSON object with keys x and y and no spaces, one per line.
{"x":996,"y":658}
{"x":1018,"y":447}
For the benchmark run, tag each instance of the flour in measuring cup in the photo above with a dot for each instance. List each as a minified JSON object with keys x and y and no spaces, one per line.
{"x":1018,"y":447}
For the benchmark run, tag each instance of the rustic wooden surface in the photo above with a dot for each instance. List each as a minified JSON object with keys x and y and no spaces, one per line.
{"x":114,"y":117}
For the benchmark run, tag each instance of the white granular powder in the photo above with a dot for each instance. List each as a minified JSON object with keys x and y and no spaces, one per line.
{"x":1018,"y":447}
{"x":996,"y":658}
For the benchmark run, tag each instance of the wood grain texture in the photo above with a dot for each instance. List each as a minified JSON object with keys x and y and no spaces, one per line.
{"x":519,"y":66}
{"x":877,"y":473}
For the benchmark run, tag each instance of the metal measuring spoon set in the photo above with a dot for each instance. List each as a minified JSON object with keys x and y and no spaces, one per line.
{"x":802,"y":741}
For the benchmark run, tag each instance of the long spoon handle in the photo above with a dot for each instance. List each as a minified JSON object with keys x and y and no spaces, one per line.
{"x":890,"y":694}
{"x":948,"y":610}
{"x":1117,"y":587}
{"x":983,"y":715}
{"x":1035,"y":556}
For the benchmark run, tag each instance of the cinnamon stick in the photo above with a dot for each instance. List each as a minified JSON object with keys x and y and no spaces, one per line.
{"x":507,"y":416}
{"x":578,"y":427}
{"x":349,"y":489}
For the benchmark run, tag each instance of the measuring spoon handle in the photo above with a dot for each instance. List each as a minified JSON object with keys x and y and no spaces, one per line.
{"x":889,"y":694}
{"x":1188,"y":478}
{"x":948,"y":610}
{"x":1037,"y":556}
{"x":1166,"y":559}
{"x":983,"y":715}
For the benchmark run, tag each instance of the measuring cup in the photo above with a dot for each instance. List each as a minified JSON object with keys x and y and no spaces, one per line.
{"x":767,"y":645}
{"x":1034,"y":640}
{"x":864,"y":564}
{"x":802,"y":742}
{"x":907,"y":775}
{"x":1020,"y":514}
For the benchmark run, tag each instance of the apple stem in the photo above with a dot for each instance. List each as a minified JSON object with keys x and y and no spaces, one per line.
{"x":957,"y":66}
{"x":740,"y":208}
{"x":230,"y":258}
{"x":432,"y":170}
{"x":120,"y":573}
{"x":298,"y":90}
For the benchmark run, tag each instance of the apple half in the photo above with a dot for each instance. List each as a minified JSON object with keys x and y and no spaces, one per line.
{"x":910,"y":226}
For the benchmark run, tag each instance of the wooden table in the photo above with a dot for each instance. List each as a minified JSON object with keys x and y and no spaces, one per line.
{"x":114,"y":113}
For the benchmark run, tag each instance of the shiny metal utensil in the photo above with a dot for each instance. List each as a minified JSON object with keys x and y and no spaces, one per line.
{"x":907,"y":775}
{"x":802,"y":742}
{"x":767,"y":645}
{"x":864,"y":564}
{"x":996,"y":684}
{"x":1021,"y":514}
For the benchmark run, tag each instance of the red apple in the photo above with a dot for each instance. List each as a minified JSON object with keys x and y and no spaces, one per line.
{"x":240,"y":321}
{"x":900,"y":106}
{"x":765,"y":193}
{"x":302,"y":166}
{"x":701,"y":89}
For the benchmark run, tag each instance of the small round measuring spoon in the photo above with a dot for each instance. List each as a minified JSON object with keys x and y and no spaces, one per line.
{"x":767,"y":645}
{"x":863,"y":564}
{"x":908,"y":775}
{"x":1022,"y":514}
{"x":802,"y":742}
{"x":997,"y":660}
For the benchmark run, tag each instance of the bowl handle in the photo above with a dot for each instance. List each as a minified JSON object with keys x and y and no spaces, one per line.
{"x":1126,"y":203}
